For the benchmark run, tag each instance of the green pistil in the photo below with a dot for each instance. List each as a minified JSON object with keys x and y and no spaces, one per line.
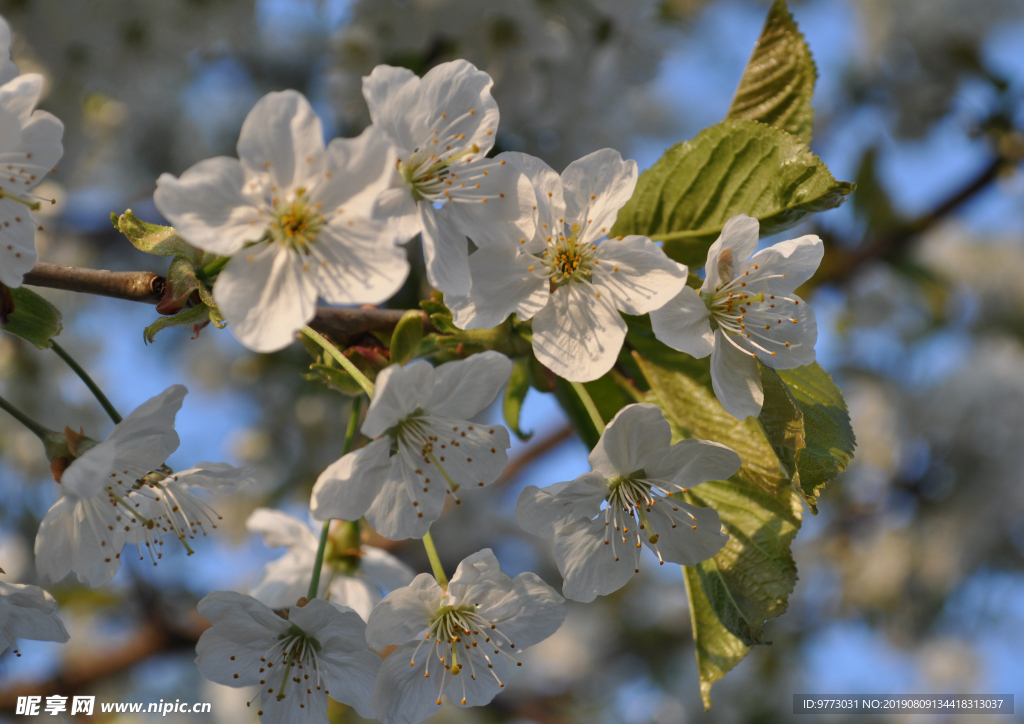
{"x":296,"y":224}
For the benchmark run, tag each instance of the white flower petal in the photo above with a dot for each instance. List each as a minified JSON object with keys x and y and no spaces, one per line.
{"x":348,"y":487}
{"x":384,"y":569}
{"x":404,"y":613}
{"x":352,"y":592}
{"x":280,"y":529}
{"x":398,"y":393}
{"x":472,"y":455}
{"x":26,"y":612}
{"x":546,"y":186}
{"x":20,"y":95}
{"x":637,"y":275}
{"x":596,"y":187}
{"x":336,"y":627}
{"x":629,"y":440}
{"x":396,"y":206}
{"x":797,"y":259}
{"x":350,"y":678}
{"x":684,"y":324}
{"x":445,"y":250}
{"x":282,"y":136}
{"x":393,"y":97}
{"x":502,"y":284}
{"x":463,"y":388}
{"x":357,"y":263}
{"x":357,"y":171}
{"x":395,"y":513}
{"x":478,"y":580}
{"x":733,"y":246}
{"x":545,"y":511}
{"x":492,"y":202}
{"x":689,"y":463}
{"x":207,"y":207}
{"x":266,"y":297}
{"x":89,"y":473}
{"x":216,"y":478}
{"x":402,"y":694}
{"x":463,"y":92}
{"x":590,"y":567}
{"x":296,"y":706}
{"x":17,"y":243}
{"x":686,"y":534}
{"x":735,"y":379}
{"x":144,"y":439}
{"x":284,"y":581}
{"x":529,"y":613}
{"x":578,"y":335}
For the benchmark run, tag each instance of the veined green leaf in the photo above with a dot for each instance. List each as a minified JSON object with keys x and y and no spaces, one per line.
{"x":736,"y":167}
{"x":34,"y":318}
{"x":750,"y":579}
{"x":778,"y":83}
{"x":692,"y":411}
{"x":718,"y":651}
{"x":807,"y":423}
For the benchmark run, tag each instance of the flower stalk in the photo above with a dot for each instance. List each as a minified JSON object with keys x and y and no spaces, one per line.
{"x":341,"y":359}
{"x":435,"y":561}
{"x":318,"y":562}
{"x":588,"y":404}
{"x":84,"y":376}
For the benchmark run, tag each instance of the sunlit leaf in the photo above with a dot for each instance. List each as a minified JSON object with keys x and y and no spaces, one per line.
{"x":778,"y":83}
{"x":34,"y":318}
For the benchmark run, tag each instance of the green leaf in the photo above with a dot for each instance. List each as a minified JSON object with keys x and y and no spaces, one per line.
{"x":778,"y":83}
{"x":185,"y":318}
{"x":406,"y":338}
{"x":805,"y":418}
{"x":34,"y":319}
{"x":153,"y":238}
{"x":692,"y":411}
{"x":735,"y":167}
{"x":718,"y":651}
{"x":515,"y":393}
{"x":750,"y":579}
{"x":335,"y":378}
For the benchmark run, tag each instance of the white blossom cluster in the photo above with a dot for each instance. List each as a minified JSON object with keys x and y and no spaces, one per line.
{"x":296,"y":220}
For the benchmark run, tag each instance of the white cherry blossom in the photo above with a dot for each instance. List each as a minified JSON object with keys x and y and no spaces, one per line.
{"x":565,"y":277}
{"x":99,"y":511}
{"x":294,"y":215}
{"x":30,"y":146}
{"x":8,"y":70}
{"x":744,"y":312}
{"x":174,"y":507}
{"x":352,"y":578}
{"x":460,"y":641}
{"x":423,"y":446}
{"x":27,"y":612}
{"x":297,"y":662}
{"x":600,"y":520}
{"x":442,"y":126}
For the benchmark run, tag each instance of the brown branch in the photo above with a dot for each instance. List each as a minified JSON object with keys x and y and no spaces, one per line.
{"x":839,"y":263}
{"x":339,"y":324}
{"x":133,"y":286}
{"x":530,"y":454}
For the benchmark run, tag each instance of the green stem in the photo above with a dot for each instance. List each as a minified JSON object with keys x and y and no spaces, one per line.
{"x":341,"y":359}
{"x":41,"y":432}
{"x":213,"y":268}
{"x":435,"y":562}
{"x":84,"y":376}
{"x":318,"y":562}
{"x":588,"y":403}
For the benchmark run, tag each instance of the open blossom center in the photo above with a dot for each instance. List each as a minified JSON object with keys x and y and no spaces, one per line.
{"x":459,"y":637}
{"x":738,"y":312}
{"x":296,"y":224}
{"x":566,"y":260}
{"x":292,"y":666}
{"x":178,"y":511}
{"x":630,"y":498}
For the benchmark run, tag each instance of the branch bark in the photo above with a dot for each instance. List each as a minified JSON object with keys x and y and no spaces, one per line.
{"x":148,"y":287}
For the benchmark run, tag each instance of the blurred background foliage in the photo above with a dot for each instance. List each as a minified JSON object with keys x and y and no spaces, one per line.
{"x":912,"y":574}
